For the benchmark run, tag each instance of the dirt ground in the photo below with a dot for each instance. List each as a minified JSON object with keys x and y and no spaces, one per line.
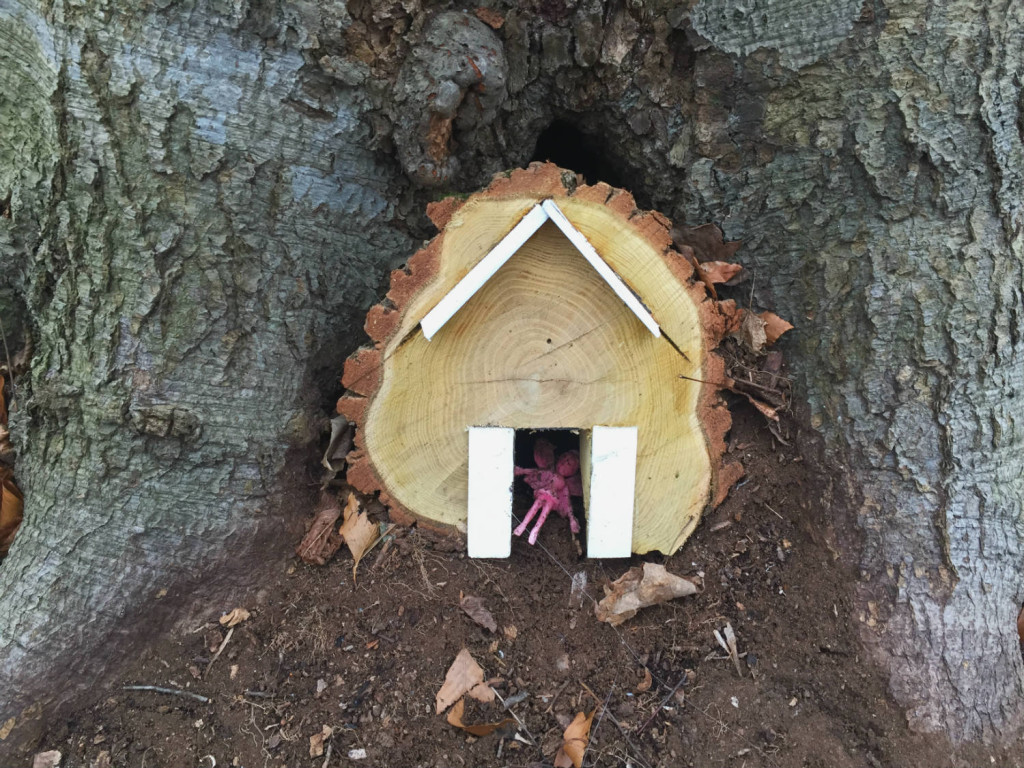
{"x":366,"y":658}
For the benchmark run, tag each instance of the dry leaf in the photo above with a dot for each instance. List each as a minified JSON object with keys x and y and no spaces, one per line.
{"x":483,"y":729}
{"x":719,"y":271}
{"x":639,"y":588}
{"x":234,"y":618}
{"x":321,"y":541}
{"x":464,"y":676}
{"x":11,"y":508}
{"x":510,"y":632}
{"x":49,"y":759}
{"x":490,"y":17}
{"x":752,"y":334}
{"x":359,"y":532}
{"x":574,"y":742}
{"x":339,"y":445}
{"x":774,"y":326}
{"x":316,"y":741}
{"x":727,"y":639}
{"x":474,"y":608}
{"x":706,"y":241}
{"x":6,"y":728}
{"x":645,"y":684}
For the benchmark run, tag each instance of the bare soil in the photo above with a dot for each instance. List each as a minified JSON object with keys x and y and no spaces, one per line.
{"x":367,"y":657}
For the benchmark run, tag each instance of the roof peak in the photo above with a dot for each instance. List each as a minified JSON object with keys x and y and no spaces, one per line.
{"x":485,"y":269}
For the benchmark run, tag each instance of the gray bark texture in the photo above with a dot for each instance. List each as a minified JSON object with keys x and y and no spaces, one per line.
{"x":205,"y":197}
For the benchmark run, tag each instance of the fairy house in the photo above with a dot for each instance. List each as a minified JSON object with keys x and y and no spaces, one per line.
{"x":545,"y":304}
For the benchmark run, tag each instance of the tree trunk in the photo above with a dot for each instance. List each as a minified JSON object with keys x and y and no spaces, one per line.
{"x":206,"y":197}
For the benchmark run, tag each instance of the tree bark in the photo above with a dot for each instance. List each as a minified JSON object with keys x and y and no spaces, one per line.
{"x":206,"y":197}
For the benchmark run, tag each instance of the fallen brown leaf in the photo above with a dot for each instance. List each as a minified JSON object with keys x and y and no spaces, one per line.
{"x":321,"y":541}
{"x":464,"y":676}
{"x":645,"y":684}
{"x":316,"y":741}
{"x":719,"y":271}
{"x":774,"y":326}
{"x":358,"y":531}
{"x":49,"y":759}
{"x":234,"y":618}
{"x":474,"y":608}
{"x":490,"y":17}
{"x":638,"y":588}
{"x":11,"y":508}
{"x":574,"y":742}
{"x":752,"y":334}
{"x":706,"y":241}
{"x":483,"y":729}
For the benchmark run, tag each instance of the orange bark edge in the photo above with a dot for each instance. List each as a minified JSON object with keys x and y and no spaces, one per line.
{"x":362,"y":373}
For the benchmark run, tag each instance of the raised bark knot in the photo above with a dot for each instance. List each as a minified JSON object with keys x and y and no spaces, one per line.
{"x":166,"y":421}
{"x":452,"y":82}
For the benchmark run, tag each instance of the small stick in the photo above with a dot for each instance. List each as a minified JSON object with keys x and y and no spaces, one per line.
{"x":169,"y":691}
{"x":600,"y":717}
{"x":327,"y":759}
{"x":533,"y":741}
{"x":223,"y":644}
{"x":664,"y":701}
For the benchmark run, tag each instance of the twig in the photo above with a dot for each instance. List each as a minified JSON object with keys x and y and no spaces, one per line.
{"x":533,"y":741}
{"x":600,"y":717}
{"x":664,"y":701}
{"x":7,"y":355}
{"x":169,"y":691}
{"x":223,"y":644}
{"x":327,"y":757}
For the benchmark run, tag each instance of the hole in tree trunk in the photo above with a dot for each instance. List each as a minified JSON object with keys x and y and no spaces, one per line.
{"x":553,"y":460}
{"x":567,"y":146}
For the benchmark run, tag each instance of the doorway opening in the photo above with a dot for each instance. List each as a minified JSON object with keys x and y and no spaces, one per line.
{"x":548,"y":483}
{"x":598,"y":478}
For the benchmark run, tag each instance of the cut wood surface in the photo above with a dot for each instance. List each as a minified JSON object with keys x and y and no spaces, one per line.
{"x":545,"y":343}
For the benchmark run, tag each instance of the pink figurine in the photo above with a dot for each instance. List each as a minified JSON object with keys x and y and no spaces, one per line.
{"x":551,"y":488}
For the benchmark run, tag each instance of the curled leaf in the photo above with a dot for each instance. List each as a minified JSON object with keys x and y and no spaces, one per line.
{"x":774,"y":326}
{"x":456,"y":713}
{"x":719,"y":271}
{"x":235,"y":617}
{"x":316,"y":741}
{"x":645,"y":684}
{"x":574,"y":742}
{"x":358,"y":531}
{"x":321,"y":541}
{"x":475,"y":609}
{"x":638,"y":588}
{"x":464,"y":676}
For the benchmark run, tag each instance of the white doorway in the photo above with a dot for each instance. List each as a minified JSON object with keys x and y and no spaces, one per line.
{"x":608,"y":472}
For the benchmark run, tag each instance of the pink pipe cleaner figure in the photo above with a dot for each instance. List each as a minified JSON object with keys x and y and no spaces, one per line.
{"x":551,"y":487}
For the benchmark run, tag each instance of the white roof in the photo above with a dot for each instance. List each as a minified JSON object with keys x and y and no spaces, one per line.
{"x":547,"y":210}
